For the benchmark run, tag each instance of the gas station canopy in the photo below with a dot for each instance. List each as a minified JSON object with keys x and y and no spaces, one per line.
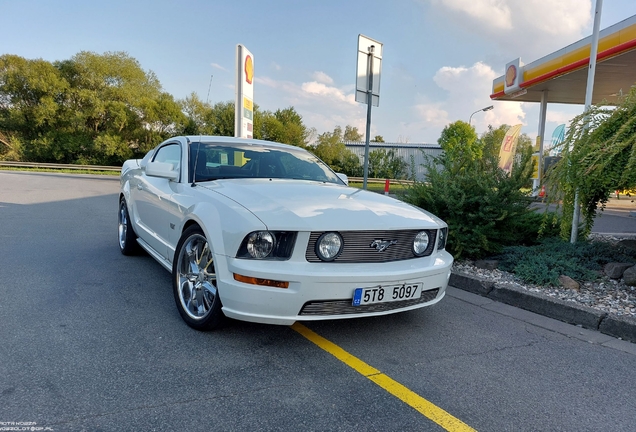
{"x":564,"y":73}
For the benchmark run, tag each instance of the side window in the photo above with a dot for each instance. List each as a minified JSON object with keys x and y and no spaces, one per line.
{"x":171,"y":154}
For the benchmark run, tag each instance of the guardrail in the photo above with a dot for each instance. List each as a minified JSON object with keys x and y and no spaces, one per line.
{"x":116,"y":168}
{"x":375,"y":180}
{"x":59,"y":166}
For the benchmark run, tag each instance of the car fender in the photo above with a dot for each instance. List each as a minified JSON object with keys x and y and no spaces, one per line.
{"x":225,"y":241}
{"x":128,"y":170}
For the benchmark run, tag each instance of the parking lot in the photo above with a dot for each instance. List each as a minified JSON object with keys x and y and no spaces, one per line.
{"x":92,"y":340}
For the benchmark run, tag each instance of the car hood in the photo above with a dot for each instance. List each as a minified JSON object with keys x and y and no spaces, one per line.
{"x":313,"y":206}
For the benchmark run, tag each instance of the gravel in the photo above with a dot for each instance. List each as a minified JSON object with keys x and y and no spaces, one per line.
{"x":605,"y":294}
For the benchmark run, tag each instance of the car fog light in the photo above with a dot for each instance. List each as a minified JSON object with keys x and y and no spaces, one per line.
{"x":329,"y":246}
{"x":420,"y":244}
{"x":260,"y":244}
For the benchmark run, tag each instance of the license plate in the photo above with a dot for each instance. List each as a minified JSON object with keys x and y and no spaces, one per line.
{"x":385,"y":294}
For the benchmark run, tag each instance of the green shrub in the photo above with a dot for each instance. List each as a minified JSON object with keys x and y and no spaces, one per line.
{"x":542,"y":264}
{"x":483,"y":206}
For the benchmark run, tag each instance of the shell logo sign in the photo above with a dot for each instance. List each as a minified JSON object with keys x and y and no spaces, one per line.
{"x":512,"y":78}
{"x":511,"y":75}
{"x":244,"y":93}
{"x":249,"y":69}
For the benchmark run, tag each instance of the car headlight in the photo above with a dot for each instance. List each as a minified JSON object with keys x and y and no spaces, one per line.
{"x":443,"y":234}
{"x":420,"y":243}
{"x":329,"y":246}
{"x":270,"y":245}
{"x":260,"y":244}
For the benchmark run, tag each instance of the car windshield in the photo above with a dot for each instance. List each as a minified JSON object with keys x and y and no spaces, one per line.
{"x":210,"y":161}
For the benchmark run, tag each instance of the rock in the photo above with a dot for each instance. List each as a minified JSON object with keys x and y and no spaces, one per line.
{"x":487,"y":264}
{"x":629,"y":276}
{"x":615,"y":270}
{"x":569,"y":283}
{"x":629,"y":244}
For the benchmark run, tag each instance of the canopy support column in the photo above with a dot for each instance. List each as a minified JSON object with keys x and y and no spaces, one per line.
{"x":536,"y":186}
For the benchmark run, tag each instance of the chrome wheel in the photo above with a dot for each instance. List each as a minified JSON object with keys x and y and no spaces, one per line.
{"x":196,"y":277}
{"x":123,"y":224}
{"x":125,"y":234}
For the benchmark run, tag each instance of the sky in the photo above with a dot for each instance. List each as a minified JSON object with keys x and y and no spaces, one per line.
{"x":439,"y":56}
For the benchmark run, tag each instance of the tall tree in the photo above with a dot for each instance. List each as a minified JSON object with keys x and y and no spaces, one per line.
{"x":32,"y":96}
{"x":196,"y":111}
{"x":492,"y":138}
{"x":459,"y":142}
{"x":387,"y":164}
{"x":599,"y":157}
{"x":330,"y":148}
{"x":91,"y":108}
{"x":284,"y":126}
{"x":351,"y":134}
{"x":295,"y":131}
{"x":220,"y":119}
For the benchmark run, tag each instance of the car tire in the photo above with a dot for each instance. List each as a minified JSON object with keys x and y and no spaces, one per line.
{"x":127,"y":238}
{"x":194,"y":281}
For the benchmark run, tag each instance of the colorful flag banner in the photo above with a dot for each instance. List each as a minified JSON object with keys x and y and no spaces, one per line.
{"x":508,"y":148}
{"x":557,"y":138}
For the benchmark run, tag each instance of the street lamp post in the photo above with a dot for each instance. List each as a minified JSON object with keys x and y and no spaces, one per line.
{"x":488,"y":108}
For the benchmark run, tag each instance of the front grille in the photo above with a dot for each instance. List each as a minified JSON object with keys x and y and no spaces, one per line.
{"x":344,"y":307}
{"x":357,"y":246}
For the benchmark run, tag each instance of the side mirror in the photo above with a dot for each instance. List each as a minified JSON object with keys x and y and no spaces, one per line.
{"x":344,"y":178}
{"x":162,"y":169}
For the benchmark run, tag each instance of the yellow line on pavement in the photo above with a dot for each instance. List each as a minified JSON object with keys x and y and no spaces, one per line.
{"x":411,"y":398}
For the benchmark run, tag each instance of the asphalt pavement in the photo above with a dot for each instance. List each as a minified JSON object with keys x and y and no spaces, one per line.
{"x":617,"y":218}
{"x":91,"y":340}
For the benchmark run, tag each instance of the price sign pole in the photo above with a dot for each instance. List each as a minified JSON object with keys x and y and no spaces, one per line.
{"x":368,"y":86}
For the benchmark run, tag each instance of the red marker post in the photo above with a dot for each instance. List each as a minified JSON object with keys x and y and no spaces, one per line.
{"x":542,"y":192}
{"x":386,"y":187}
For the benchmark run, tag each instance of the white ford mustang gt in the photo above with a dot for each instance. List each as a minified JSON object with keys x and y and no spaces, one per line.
{"x":266,"y":232}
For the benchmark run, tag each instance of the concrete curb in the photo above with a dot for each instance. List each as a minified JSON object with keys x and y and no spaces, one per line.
{"x":613,"y":325}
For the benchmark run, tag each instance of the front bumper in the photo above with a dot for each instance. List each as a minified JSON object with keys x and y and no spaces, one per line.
{"x":325,"y":291}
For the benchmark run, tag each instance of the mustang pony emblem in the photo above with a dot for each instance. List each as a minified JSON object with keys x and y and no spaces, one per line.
{"x":382,"y":245}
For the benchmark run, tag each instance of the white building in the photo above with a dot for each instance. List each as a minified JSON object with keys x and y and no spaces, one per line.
{"x":411,"y":153}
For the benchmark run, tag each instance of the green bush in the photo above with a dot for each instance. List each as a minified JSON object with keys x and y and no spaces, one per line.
{"x":542,"y":264}
{"x":484,"y":207}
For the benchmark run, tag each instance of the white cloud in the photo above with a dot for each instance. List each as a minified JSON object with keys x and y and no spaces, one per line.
{"x":529,"y":29}
{"x":433,"y":114}
{"x":322,"y":106}
{"x":218,"y":66}
{"x":560,"y":117}
{"x":320,"y":89}
{"x":462,"y":80}
{"x":526,"y":28}
{"x":322,"y":77}
{"x":465,"y":89}
{"x":276,"y":66}
{"x":563,"y":17}
{"x":495,"y":12}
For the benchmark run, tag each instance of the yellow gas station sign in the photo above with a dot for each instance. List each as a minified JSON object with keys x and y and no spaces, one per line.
{"x":535,"y":166}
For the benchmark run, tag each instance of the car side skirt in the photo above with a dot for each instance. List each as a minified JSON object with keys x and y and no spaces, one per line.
{"x":156,"y":255}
